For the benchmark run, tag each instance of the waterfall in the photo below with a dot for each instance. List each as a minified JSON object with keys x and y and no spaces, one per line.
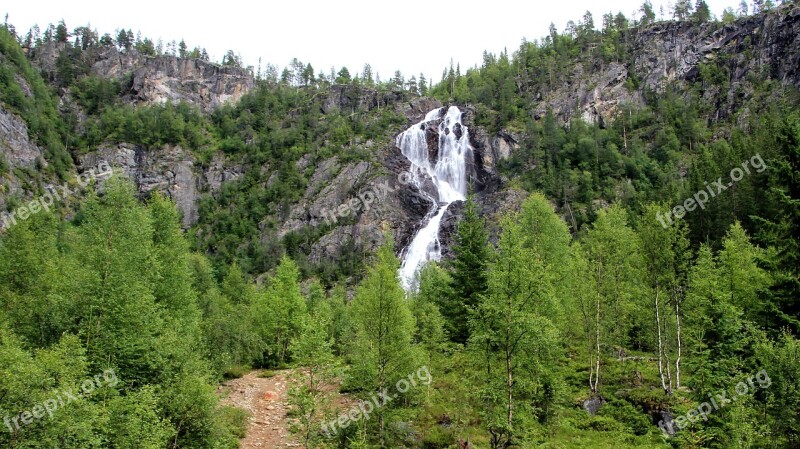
{"x":448,"y":178}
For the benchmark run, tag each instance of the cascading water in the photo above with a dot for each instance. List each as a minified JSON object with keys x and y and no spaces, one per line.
{"x":449,"y":180}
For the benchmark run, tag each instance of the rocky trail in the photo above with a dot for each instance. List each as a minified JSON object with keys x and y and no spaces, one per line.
{"x":266,"y":399}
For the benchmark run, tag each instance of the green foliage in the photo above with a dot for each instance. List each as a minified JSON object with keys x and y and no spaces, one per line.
{"x":540,"y":313}
{"x":312,"y":351}
{"x":106,"y":312}
{"x":513,"y":339}
{"x":34,"y":102}
{"x":434,"y":286}
{"x":280,"y":313}
{"x":381,"y":350}
{"x":95,"y":93}
{"x":471,"y":250}
{"x":780,"y":361}
{"x":151,"y":126}
{"x":615,"y":264}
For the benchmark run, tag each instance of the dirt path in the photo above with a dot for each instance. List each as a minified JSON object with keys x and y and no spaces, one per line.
{"x":266,"y":400}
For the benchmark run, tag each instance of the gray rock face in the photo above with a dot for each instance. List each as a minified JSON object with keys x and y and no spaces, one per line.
{"x":345,"y":97}
{"x":219,"y":172}
{"x":593,"y":404}
{"x":16,"y":151}
{"x":673,"y":51}
{"x":664,"y":419}
{"x":417,"y":108}
{"x":331,"y":204}
{"x":589,"y":93}
{"x":160,"y":79}
{"x":169,"y":170}
{"x":15,"y":144}
{"x":489,"y":150}
{"x":169,"y":79}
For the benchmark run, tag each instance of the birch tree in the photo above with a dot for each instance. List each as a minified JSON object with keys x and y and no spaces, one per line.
{"x":614,"y":259}
{"x":513,"y":339}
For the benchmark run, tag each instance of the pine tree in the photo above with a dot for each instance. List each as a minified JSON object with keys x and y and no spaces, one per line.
{"x":412,"y":85}
{"x":182,"y":49}
{"x":779,"y":227}
{"x":701,"y":12}
{"x":471,"y":251}
{"x":343,"y":76}
{"x":683,"y":8}
{"x":32,"y":276}
{"x":434,"y":283}
{"x":173,"y":286}
{"x":366,"y":75}
{"x":741,"y":274}
{"x":713,"y":326}
{"x":119,"y":319}
{"x":781,"y":387}
{"x":382,"y":345}
{"x":62,"y":34}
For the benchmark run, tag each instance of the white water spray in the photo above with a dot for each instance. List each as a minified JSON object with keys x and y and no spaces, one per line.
{"x":449,"y":178}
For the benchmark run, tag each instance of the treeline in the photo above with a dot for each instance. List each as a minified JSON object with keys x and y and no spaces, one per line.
{"x":275,"y":125}
{"x":75,"y":302}
{"x":84,"y":38}
{"x":544,"y":319}
{"x":547,"y":318}
{"x":118,"y":290}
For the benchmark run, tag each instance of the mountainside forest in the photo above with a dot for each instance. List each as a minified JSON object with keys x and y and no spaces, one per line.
{"x":623,"y":273}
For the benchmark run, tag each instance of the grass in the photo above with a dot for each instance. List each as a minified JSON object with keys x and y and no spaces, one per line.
{"x":267,"y":373}
{"x":236,"y":371}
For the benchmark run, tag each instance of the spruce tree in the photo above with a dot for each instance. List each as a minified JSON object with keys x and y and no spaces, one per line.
{"x":471,"y":251}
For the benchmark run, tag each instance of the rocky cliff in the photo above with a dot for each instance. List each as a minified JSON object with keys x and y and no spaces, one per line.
{"x":662,"y":54}
{"x":158,"y":79}
{"x":17,"y":151}
{"x":666,"y":52}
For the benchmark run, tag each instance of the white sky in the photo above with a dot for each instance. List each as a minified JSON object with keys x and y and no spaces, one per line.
{"x":412,"y":35}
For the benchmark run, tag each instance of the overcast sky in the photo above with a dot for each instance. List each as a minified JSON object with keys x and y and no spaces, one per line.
{"x":413,"y":36}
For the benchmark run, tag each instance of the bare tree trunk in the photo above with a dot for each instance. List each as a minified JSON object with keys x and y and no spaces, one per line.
{"x":678,"y":360}
{"x":667,"y":361}
{"x":660,"y":345}
{"x":597,"y":348}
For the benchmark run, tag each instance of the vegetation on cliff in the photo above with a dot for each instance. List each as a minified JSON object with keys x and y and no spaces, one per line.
{"x":651,"y":269}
